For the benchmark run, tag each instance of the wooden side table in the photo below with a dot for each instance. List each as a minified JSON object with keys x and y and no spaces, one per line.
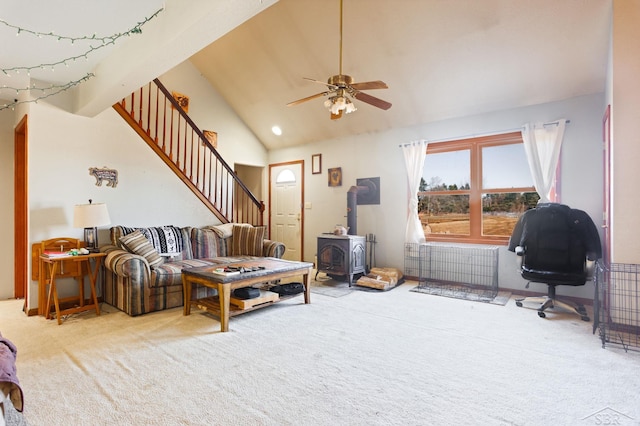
{"x":53,"y":263}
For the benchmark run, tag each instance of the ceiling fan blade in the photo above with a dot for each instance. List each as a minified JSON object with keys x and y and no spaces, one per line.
{"x":336,"y":116}
{"x":370,"y":85}
{"x":308,"y":98}
{"x":371,"y":100}
{"x":331,"y":86}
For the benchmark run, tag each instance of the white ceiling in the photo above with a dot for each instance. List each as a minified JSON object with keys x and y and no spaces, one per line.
{"x":67,"y":18}
{"x":440,"y":58}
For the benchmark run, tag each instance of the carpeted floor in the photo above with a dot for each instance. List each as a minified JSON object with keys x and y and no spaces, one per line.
{"x":387,"y":358}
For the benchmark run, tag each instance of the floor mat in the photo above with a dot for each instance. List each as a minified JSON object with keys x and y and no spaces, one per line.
{"x":462,"y":292}
{"x":324,"y":284}
{"x":329,"y":287}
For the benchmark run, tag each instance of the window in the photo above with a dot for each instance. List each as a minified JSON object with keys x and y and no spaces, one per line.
{"x":474,"y":190}
{"x":286,"y":176}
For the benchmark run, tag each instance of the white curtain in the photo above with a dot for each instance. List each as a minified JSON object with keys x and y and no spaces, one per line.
{"x":542,"y":143}
{"x":414,"y":156}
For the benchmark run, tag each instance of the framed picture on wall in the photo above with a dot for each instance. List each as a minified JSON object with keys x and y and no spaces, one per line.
{"x":183,"y":101}
{"x":316,"y":164}
{"x":335,"y":176}
{"x":212,"y":137}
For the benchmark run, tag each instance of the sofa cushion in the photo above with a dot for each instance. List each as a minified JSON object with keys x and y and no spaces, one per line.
{"x":247,"y":240}
{"x":225,"y":230}
{"x":170,"y":273}
{"x":207,"y":243}
{"x":137,"y":243}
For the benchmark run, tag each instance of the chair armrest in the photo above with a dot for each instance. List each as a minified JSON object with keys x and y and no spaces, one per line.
{"x":125,"y":264}
{"x":590,"y":268}
{"x":519,"y":256}
{"x":272,"y":248}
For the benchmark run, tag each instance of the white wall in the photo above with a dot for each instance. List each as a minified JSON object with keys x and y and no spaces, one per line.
{"x":6,"y":203}
{"x":236,"y":143}
{"x":379,"y":155}
{"x":625,"y":118}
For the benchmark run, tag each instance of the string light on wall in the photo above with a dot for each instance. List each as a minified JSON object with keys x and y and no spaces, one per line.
{"x":95,"y":43}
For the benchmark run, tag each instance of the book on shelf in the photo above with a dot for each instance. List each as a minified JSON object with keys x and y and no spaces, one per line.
{"x":53,"y":253}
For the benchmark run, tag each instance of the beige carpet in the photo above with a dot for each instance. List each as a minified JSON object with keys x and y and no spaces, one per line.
{"x":389,"y":358}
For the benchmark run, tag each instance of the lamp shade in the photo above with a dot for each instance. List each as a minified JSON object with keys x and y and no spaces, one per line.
{"x":90,"y":215}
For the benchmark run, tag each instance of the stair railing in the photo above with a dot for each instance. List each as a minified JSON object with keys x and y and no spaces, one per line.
{"x":163,"y":123}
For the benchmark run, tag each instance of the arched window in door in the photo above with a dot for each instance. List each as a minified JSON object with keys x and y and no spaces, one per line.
{"x":286,"y":176}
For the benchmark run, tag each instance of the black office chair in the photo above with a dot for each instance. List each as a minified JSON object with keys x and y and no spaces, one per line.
{"x":556,"y":245}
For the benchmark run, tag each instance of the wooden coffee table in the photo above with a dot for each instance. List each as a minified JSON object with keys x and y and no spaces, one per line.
{"x":274,"y":269}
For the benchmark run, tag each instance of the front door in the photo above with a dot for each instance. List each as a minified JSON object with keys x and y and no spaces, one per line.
{"x":285,"y":206}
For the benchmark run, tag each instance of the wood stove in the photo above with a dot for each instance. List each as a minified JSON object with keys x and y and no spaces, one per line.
{"x":341,"y":255}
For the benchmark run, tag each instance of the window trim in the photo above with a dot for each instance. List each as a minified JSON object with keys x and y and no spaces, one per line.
{"x":474,"y":145}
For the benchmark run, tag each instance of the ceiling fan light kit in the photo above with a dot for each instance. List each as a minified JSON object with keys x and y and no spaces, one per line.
{"x":338,"y":104}
{"x":342,"y":87}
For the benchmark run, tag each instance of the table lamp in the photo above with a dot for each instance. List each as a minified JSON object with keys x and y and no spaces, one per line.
{"x":90,"y":216}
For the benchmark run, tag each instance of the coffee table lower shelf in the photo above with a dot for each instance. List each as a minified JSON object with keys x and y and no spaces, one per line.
{"x":212,"y":305}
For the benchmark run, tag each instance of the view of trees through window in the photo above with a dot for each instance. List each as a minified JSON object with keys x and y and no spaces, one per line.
{"x":476,"y":189}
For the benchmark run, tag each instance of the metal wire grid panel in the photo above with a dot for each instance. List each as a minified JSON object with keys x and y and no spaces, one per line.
{"x":412,"y":260}
{"x":617,"y":305}
{"x":454,"y":267}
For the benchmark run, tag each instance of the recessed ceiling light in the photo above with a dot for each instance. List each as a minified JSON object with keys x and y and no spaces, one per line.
{"x":276,"y":130}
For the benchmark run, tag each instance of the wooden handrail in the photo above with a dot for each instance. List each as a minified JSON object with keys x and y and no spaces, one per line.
{"x":164,"y":125}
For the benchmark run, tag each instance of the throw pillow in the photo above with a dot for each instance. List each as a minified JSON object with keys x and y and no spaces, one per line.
{"x":226,"y":229}
{"x":247,"y":240}
{"x":206,"y":243}
{"x":138,"y":244}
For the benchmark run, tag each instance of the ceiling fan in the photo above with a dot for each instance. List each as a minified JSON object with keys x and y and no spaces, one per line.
{"x":342,"y":87}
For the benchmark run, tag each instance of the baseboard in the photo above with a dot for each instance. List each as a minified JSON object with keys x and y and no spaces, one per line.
{"x":65,"y":303}
{"x":527,"y":293}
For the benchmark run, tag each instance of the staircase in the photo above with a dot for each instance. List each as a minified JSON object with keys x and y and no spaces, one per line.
{"x":159,"y":119}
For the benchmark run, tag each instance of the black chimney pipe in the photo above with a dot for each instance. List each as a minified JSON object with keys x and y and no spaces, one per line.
{"x":352,"y":203}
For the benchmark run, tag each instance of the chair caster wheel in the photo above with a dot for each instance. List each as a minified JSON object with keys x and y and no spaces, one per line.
{"x":519,"y":304}
{"x":542,"y":314}
{"x":585,"y":318}
{"x":581,"y":309}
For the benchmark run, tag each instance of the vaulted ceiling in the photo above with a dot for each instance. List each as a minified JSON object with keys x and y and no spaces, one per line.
{"x":440,"y":58}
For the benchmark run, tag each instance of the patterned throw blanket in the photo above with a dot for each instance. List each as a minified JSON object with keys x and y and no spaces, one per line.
{"x":167,"y":240}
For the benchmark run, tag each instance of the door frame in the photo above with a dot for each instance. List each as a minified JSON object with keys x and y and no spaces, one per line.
{"x":20,"y":187}
{"x":287,"y":163}
{"x":606,"y":207}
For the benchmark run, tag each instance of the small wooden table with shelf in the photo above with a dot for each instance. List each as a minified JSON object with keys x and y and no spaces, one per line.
{"x":274,"y":269}
{"x":53,"y":264}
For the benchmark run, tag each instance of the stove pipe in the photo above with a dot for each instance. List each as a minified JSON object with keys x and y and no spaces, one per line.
{"x":352,"y":203}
